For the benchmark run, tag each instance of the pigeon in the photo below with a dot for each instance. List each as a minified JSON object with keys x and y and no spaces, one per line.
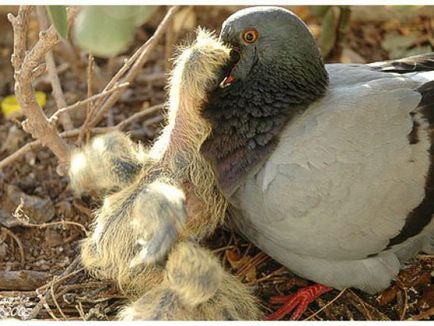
{"x":328,"y":168}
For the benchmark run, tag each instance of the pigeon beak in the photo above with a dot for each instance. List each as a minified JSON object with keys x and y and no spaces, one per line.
{"x":234,"y":59}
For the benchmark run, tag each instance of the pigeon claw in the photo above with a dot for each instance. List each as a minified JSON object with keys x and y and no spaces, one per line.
{"x":296,"y":303}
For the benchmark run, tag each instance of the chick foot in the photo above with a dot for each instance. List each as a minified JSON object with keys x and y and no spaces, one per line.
{"x":297,"y":302}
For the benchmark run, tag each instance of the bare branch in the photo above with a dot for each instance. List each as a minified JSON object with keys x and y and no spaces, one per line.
{"x":136,"y":63}
{"x":52,"y":74}
{"x":75,"y":132}
{"x":138,"y":115}
{"x":19,"y":23}
{"x":39,"y":70}
{"x":88,"y":100}
{"x":28,"y":64}
{"x":22,"y":280}
{"x":37,"y":124}
{"x":89,"y":108}
{"x":71,"y":270}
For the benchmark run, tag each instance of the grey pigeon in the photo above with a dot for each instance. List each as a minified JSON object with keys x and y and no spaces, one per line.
{"x":328,"y":168}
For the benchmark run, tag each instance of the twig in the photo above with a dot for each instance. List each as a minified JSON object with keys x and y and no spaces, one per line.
{"x":35,"y":311}
{"x":80,"y":310}
{"x":328,"y":304}
{"x":352,"y":297}
{"x":89,"y":108}
{"x":23,"y":219}
{"x":72,"y":238}
{"x":88,"y":100}
{"x":87,"y":285}
{"x":423,"y":315}
{"x":19,"y":153}
{"x":327,"y":311}
{"x":18,"y":241}
{"x":37,"y":123}
{"x":266,"y":277}
{"x":121,"y":125}
{"x":52,"y":74}
{"x":19,"y":24}
{"x":45,"y":305}
{"x":22,"y":280}
{"x":44,"y":225}
{"x":17,"y":294}
{"x":255,"y":261}
{"x":72,"y":133}
{"x":169,"y":42}
{"x":39,"y":70}
{"x":55,"y":300}
{"x":404,"y":309}
{"x":58,"y":280}
{"x":150,"y":78}
{"x":218,"y":250}
{"x":142,"y":56}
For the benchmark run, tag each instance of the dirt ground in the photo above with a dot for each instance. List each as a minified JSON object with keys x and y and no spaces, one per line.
{"x":38,"y":274}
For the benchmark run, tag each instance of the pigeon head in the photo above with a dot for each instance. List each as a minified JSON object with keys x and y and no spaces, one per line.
{"x":275,"y":72}
{"x":264,"y":37}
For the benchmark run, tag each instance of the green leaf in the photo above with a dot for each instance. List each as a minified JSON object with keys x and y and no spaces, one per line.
{"x":107,"y":31}
{"x":59,"y":19}
{"x":327,"y":38}
{"x":319,"y":11}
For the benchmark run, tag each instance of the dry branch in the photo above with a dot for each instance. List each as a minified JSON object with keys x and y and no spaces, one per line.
{"x":90,"y":108}
{"x":52,"y":73}
{"x":27,"y":63}
{"x":37,"y":123}
{"x":424,"y":315}
{"x":71,"y":270}
{"x":327,"y":305}
{"x":75,"y":132}
{"x":136,"y":63}
{"x":23,"y":219}
{"x":19,"y":24}
{"x":22,"y":280}
{"x":88,"y":100}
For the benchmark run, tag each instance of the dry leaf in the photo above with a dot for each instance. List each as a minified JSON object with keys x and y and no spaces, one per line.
{"x":414,"y":277}
{"x":388,"y":295}
{"x":427,"y":298}
{"x":251,"y":274}
{"x":234,"y":258}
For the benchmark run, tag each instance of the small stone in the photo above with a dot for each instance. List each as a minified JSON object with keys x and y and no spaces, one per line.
{"x":53,"y":238}
{"x":38,"y":210}
{"x":3,"y":249}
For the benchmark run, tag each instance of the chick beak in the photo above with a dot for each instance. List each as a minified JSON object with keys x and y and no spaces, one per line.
{"x":234,"y":59}
{"x":227,"y":81}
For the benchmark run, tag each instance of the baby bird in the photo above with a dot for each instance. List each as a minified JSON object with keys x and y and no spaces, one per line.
{"x":195,"y":287}
{"x":108,"y":163}
{"x":158,"y":200}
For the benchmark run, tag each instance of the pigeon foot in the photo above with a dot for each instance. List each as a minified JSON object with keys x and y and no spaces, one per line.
{"x":297,"y":302}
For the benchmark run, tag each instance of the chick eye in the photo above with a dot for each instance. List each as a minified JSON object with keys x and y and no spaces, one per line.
{"x":250,"y":36}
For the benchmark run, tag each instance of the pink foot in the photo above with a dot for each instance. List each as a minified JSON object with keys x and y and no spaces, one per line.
{"x":298,"y":301}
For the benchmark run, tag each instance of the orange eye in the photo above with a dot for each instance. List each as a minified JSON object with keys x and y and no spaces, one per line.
{"x":250,"y":36}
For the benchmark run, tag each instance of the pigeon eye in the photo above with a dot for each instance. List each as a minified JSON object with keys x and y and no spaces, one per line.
{"x":250,"y":36}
